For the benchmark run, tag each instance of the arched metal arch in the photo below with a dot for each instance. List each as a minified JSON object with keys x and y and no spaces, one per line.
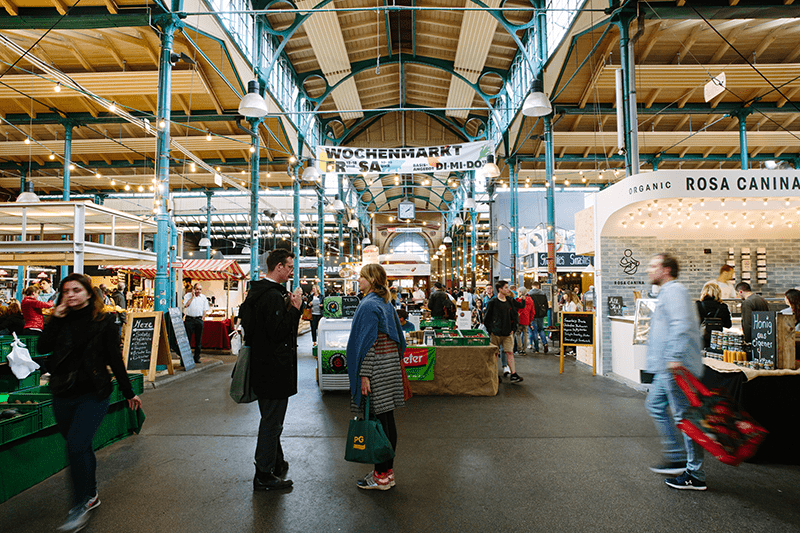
{"x":356,"y":68}
{"x":392,"y":198}
{"x":299,"y":19}
{"x":371,"y":116}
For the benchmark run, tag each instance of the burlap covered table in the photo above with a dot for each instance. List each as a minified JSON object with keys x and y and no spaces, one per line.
{"x":461,"y":371}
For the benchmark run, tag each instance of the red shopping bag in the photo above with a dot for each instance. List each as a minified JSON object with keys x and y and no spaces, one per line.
{"x":714,"y":422}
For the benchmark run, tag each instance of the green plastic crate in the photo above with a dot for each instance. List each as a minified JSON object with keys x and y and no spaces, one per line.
{"x":20,"y":426}
{"x":446,"y":340}
{"x":10,"y":383}
{"x":137,"y":384}
{"x":437,"y":323}
{"x":483,"y":340}
{"x":47,"y":415}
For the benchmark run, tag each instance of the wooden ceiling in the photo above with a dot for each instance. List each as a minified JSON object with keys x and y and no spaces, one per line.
{"x":400,"y":89}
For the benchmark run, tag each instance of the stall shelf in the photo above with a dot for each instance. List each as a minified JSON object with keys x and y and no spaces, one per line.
{"x":92,"y":234}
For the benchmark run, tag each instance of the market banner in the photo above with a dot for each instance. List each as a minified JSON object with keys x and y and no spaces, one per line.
{"x":409,"y":160}
{"x":419,"y":363}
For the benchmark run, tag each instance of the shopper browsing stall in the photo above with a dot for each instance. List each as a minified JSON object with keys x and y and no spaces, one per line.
{"x":32,"y":311}
{"x":712,"y":312}
{"x":752,"y":302}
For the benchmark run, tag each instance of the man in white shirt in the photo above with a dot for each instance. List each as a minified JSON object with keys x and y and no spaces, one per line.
{"x":418,"y":295}
{"x":195,"y":305}
{"x":726,"y":286}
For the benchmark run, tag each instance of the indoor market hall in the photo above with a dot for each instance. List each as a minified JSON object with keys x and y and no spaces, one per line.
{"x":558,"y":452}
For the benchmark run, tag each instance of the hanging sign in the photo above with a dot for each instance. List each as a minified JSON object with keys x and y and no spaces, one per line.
{"x":450,"y":157}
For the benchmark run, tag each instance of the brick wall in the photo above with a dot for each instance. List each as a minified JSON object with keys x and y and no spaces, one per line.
{"x":696,"y":268}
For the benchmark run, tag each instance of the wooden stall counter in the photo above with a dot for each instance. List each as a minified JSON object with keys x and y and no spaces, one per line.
{"x":459,"y":371}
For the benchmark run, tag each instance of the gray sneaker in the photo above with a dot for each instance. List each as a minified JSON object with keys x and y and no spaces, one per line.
{"x":76,"y":520}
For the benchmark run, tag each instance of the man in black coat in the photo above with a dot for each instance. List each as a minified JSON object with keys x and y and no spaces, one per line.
{"x":439,"y":302}
{"x":270,"y":316}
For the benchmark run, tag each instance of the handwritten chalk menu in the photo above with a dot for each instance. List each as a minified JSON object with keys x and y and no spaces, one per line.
{"x":615,"y":304}
{"x":145,"y":344}
{"x":349,"y":304}
{"x":763,"y":335}
{"x":181,"y":339}
{"x":577,"y":329}
{"x":140,"y":343}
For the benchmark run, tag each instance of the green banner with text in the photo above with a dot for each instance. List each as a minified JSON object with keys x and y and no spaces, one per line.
{"x":419,"y":363}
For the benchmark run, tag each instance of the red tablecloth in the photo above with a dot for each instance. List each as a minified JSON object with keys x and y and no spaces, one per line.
{"x":215,"y":334}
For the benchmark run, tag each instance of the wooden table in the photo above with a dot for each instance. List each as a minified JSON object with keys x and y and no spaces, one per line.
{"x":461,"y":371}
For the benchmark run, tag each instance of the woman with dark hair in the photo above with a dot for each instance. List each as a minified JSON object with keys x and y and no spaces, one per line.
{"x":32,"y":311}
{"x":792,"y":299}
{"x":83,"y":341}
{"x":374,"y":364}
{"x":12,"y":320}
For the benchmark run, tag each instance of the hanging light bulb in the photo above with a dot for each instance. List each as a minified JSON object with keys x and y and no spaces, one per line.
{"x":127,"y":187}
{"x":57,"y":88}
{"x":208,"y":135}
{"x":27,"y":140}
{"x":52,"y":156}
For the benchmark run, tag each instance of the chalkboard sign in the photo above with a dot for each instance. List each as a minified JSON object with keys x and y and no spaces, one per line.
{"x":145,"y":345}
{"x":140,"y":345}
{"x":181,"y":338}
{"x":349,"y":304}
{"x":763,"y":335}
{"x":615,"y":304}
{"x":577,"y":329}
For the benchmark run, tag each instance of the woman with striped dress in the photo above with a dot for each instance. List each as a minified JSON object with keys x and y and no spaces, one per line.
{"x":374,"y":365}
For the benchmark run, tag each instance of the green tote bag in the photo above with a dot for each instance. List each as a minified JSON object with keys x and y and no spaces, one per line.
{"x":366,"y":441}
{"x":241,"y":388}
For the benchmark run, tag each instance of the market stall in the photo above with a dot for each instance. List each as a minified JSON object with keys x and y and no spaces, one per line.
{"x":432,"y":370}
{"x":745,"y":218}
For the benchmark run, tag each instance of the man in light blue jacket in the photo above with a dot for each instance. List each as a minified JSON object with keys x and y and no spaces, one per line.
{"x":674,"y":341}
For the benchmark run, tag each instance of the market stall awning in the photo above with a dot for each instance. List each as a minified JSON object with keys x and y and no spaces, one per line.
{"x":193,"y":268}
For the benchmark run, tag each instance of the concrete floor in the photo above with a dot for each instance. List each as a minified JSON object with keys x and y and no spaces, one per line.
{"x":555,"y":453}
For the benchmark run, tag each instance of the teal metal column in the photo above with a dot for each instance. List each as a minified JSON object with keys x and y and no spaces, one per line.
{"x":65,"y":186}
{"x":320,"y":243}
{"x":624,"y":38}
{"x":21,"y":269}
{"x":551,"y":209}
{"x":255,"y":163}
{"x":161,"y":297}
{"x":339,"y":219}
{"x":473,"y":236}
{"x":173,"y":258}
{"x":208,"y":223}
{"x":743,"y":140}
{"x":512,"y":178}
{"x":296,"y":211}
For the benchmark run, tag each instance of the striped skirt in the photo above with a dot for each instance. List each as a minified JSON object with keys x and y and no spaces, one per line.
{"x":382,"y":366}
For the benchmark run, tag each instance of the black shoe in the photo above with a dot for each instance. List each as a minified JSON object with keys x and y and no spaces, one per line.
{"x":281,"y":467}
{"x":669,"y":468}
{"x":515,"y":378}
{"x":269,"y":481}
{"x":686,"y":481}
{"x":197,"y":360}
{"x":545,"y":348}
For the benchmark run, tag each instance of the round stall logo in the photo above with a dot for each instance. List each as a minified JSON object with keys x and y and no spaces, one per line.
{"x":332,"y":307}
{"x":628,"y":263}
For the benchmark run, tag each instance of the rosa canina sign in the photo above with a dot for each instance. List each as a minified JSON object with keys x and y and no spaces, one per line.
{"x":419,"y":363}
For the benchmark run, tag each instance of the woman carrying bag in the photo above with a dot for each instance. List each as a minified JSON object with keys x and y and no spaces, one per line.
{"x":713,"y":313}
{"x":374,"y":364}
{"x":83,"y":341}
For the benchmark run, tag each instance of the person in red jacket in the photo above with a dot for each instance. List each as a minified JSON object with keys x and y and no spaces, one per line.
{"x":32,"y":311}
{"x":526,"y":314}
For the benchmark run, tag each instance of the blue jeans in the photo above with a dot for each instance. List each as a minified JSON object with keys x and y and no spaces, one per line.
{"x":77,"y":420}
{"x":537,"y":331}
{"x":666,"y":404}
{"x":268,"y":447}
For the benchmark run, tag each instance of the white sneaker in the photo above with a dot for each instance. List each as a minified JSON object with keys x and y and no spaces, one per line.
{"x":506,"y":371}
